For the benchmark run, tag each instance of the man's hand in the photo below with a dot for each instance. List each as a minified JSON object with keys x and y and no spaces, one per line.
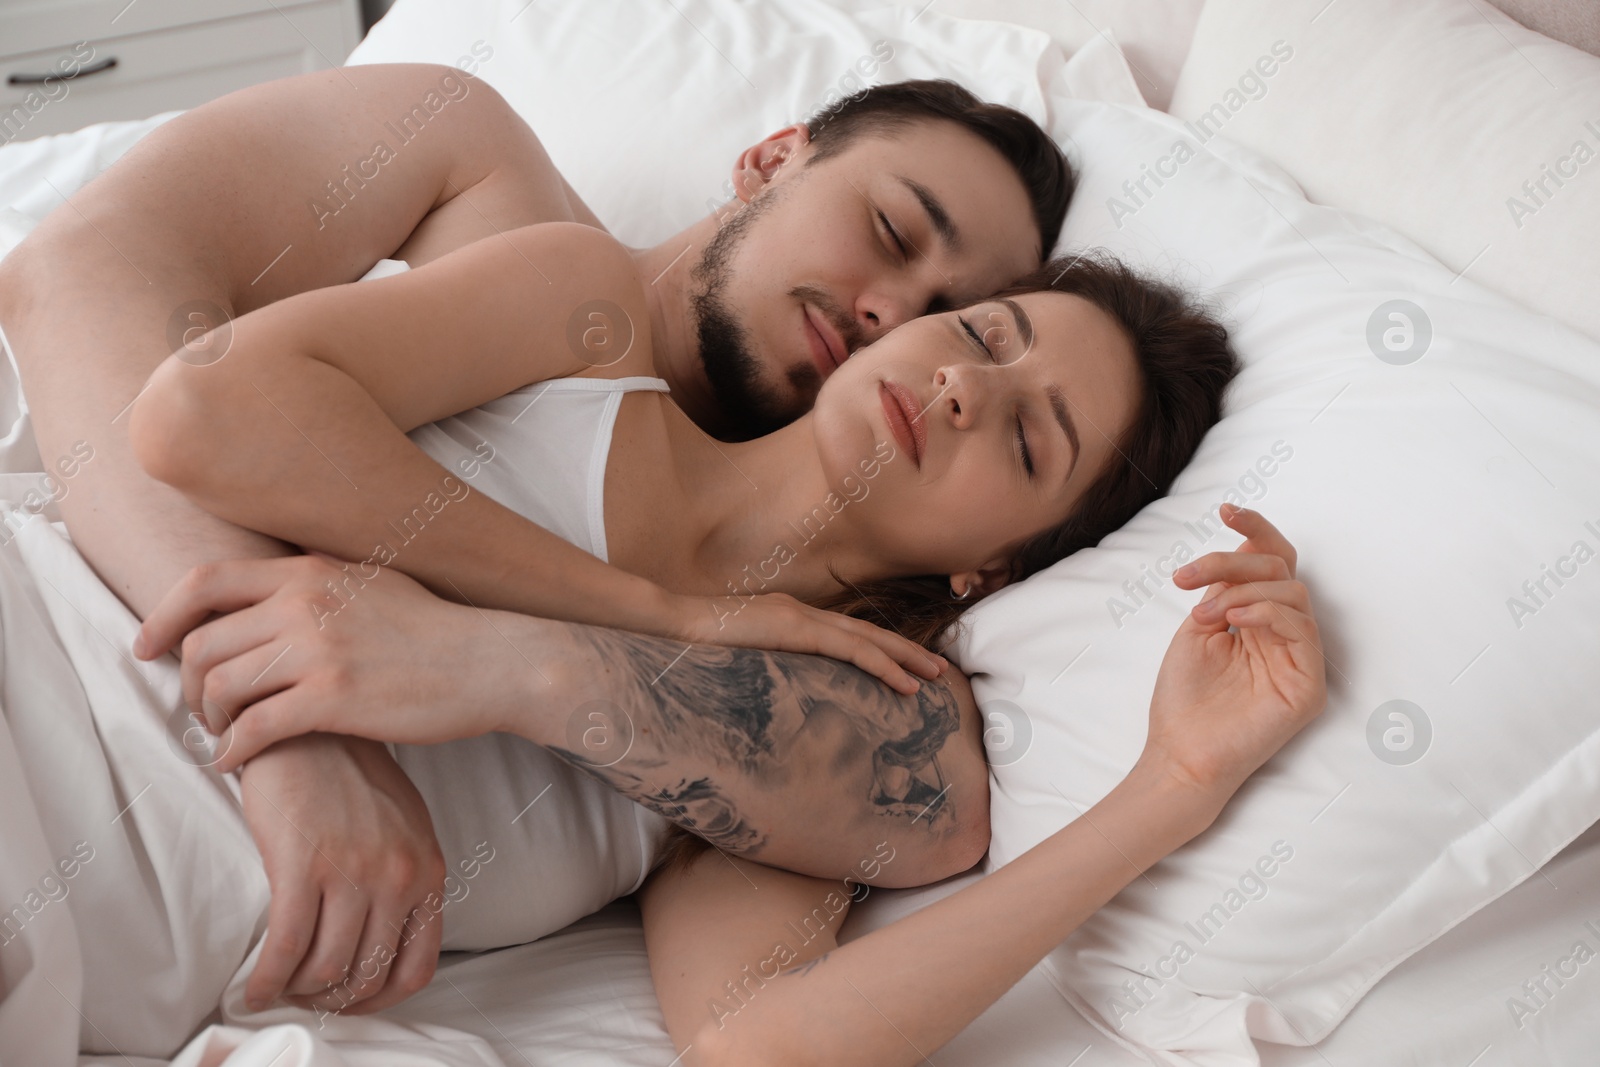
{"x":780,"y":623}
{"x":350,"y":856}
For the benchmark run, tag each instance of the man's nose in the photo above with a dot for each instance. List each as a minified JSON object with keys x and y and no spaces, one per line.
{"x":882,"y":308}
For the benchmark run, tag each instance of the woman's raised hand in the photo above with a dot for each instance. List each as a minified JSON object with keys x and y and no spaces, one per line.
{"x":1226,"y":701}
{"x":778,"y":622}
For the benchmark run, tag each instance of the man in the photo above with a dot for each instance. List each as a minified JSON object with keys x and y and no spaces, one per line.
{"x":899,"y":201}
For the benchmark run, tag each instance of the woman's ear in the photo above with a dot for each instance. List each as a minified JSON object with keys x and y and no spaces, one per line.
{"x":975,"y":585}
{"x":759,"y":164}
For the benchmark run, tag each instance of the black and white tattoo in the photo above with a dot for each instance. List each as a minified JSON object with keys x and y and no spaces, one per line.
{"x":736,"y":712}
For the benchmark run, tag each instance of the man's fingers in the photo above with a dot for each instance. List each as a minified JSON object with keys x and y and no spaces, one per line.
{"x":333,"y":947}
{"x":210,"y":587}
{"x":847,"y":641}
{"x":374,"y":961}
{"x":422,"y":930}
{"x":903,"y":650}
{"x":291,"y":921}
{"x":874,"y":660}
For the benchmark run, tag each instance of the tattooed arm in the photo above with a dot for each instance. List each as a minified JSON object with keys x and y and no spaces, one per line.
{"x":799,"y":762}
{"x":794,"y":761}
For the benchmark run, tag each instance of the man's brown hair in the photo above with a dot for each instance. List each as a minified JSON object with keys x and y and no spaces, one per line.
{"x":1039,"y":163}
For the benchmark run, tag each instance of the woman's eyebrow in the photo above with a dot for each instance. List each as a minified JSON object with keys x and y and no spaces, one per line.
{"x":1024,"y":324}
{"x":1058,"y":408}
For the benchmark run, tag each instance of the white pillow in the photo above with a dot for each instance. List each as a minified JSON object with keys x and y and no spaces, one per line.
{"x":1155,"y":34}
{"x":1428,"y":447}
{"x":645,"y":107}
{"x":1428,"y":116}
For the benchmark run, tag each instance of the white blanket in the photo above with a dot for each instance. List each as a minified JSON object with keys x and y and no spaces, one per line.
{"x":134,"y":892}
{"x":132,"y":898}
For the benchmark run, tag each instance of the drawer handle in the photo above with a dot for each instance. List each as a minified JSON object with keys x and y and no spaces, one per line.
{"x":82,"y":72}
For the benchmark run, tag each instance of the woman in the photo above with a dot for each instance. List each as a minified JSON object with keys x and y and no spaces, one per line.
{"x":960,"y":452}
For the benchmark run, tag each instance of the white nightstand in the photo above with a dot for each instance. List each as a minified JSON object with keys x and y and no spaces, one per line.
{"x":67,"y":63}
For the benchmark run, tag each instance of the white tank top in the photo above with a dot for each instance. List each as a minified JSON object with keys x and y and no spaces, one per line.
{"x":532,"y":844}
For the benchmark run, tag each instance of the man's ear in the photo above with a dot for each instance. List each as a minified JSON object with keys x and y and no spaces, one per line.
{"x":759,"y":164}
{"x":975,"y":585}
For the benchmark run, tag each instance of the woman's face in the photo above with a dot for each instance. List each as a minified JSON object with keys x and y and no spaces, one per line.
{"x":995,"y":419}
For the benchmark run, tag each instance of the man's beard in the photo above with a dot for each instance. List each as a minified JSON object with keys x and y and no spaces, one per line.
{"x":748,"y":406}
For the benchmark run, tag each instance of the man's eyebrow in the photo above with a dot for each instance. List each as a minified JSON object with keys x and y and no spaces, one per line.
{"x":940,"y":219}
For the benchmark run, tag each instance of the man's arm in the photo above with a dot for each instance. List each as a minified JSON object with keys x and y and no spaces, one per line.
{"x":210,"y":216}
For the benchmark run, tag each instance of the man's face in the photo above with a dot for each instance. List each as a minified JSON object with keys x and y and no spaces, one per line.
{"x":832,"y":255}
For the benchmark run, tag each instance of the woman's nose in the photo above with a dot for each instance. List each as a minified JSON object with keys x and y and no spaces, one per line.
{"x":961,"y":392}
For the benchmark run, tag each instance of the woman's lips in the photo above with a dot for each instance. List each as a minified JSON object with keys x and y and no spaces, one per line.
{"x":903,"y":413}
{"x":827,"y":349}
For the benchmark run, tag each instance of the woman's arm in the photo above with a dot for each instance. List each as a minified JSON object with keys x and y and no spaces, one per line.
{"x":896,"y":995}
{"x":291,"y":421}
{"x":1224,"y":702}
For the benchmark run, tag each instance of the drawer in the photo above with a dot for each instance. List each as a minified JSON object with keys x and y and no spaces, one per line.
{"x":38,"y":25}
{"x":169,"y":69}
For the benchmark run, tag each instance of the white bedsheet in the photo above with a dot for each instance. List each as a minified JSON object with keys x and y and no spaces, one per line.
{"x":582,"y":998}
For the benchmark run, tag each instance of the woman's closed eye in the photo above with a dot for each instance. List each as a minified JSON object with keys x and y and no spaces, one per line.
{"x":1019,"y":432}
{"x":977,"y":339}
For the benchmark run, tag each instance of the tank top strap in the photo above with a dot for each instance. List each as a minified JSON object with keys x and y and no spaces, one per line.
{"x":633,"y":384}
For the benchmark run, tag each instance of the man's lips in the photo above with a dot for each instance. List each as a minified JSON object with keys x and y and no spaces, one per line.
{"x":827,"y":347}
{"x":903,"y":413}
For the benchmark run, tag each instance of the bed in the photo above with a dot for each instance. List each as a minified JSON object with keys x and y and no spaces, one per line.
{"x":1444,"y":977}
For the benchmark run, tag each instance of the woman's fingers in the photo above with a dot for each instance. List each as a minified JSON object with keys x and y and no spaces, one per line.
{"x":1295,"y":627}
{"x":1281,"y":607}
{"x":1261,"y":535}
{"x":1232,"y":567}
{"x":264,"y":724}
{"x":1293,"y":593}
{"x":244,"y":677}
{"x":208,"y":647}
{"x":210,"y":587}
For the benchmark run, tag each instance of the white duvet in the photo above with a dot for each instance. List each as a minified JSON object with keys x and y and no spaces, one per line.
{"x":133,"y":891}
